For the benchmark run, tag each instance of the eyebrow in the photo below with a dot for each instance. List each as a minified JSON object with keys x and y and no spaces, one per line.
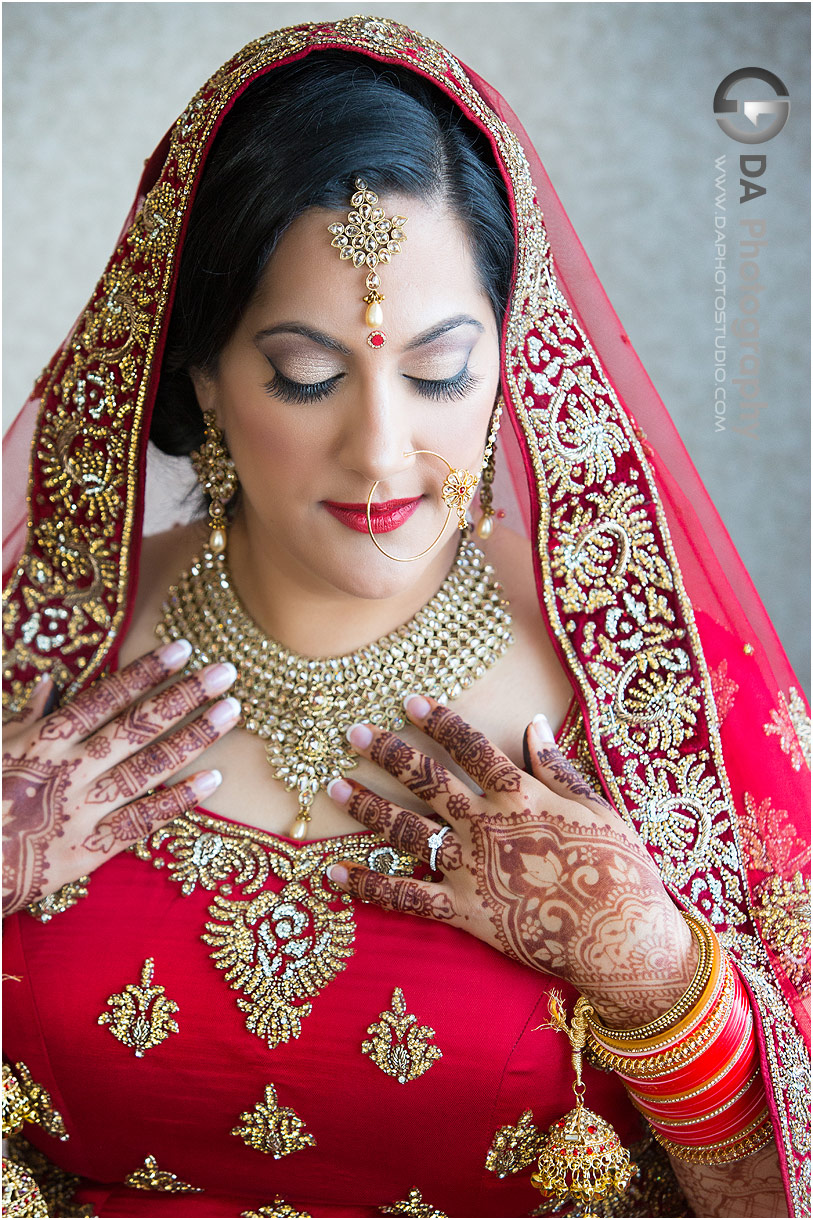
{"x":333,"y":345}
{"x":307,"y":332}
{"x":443,"y":328}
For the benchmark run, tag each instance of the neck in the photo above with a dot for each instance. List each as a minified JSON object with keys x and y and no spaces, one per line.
{"x":313,"y":618}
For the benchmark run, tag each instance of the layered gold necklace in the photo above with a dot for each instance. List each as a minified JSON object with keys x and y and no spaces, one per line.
{"x":302,"y":706}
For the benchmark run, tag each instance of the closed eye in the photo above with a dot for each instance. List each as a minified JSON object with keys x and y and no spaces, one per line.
{"x":448,"y":388}
{"x":303,"y":392}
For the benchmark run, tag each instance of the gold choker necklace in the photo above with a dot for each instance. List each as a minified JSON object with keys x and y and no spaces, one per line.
{"x":303,"y":706}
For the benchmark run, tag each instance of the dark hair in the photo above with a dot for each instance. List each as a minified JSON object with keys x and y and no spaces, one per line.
{"x":298,"y":138}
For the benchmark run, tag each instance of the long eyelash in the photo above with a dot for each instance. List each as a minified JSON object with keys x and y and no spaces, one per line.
{"x":299,"y":392}
{"x":453,"y":387}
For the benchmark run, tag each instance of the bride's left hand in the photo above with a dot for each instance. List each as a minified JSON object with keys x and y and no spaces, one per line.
{"x":539,"y":866}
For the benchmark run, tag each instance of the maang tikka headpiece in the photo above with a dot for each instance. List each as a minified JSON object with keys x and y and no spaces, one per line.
{"x":369,"y":238}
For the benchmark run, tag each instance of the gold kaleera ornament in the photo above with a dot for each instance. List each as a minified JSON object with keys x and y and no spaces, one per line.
{"x":367,"y":239}
{"x":582,"y":1159}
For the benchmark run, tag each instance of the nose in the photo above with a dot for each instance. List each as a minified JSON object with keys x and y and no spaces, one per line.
{"x":376,"y":437}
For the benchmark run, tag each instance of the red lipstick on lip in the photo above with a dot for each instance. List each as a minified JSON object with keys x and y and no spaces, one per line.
{"x":384,"y":517}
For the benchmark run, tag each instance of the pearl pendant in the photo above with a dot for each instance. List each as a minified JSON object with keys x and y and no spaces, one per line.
{"x":485,"y":527}
{"x":375,"y":314}
{"x":217,"y":542}
{"x":300,"y":828}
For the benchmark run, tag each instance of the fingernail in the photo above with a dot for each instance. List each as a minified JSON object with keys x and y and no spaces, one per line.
{"x":542,"y":729}
{"x":216,"y":678}
{"x":417,"y":706}
{"x":207,"y":781}
{"x":225,"y":712}
{"x":338,"y":873}
{"x":176,"y":653}
{"x":339,"y":791}
{"x":359,"y":736}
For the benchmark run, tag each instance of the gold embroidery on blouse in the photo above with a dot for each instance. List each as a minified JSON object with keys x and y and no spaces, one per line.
{"x":514,"y":1147}
{"x":21,"y":1195}
{"x":153,"y":1178}
{"x":274,"y":1129}
{"x":399,"y":1046}
{"x":141,"y":1016}
{"x":791,"y":724}
{"x":24,"y":1101}
{"x":279,"y":1208}
{"x":56,"y":1187}
{"x":412,"y":1205}
{"x":278,"y":950}
{"x":60,"y":901}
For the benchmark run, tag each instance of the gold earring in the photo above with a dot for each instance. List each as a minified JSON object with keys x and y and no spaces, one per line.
{"x":485,"y":526}
{"x":367,"y":239}
{"x":217,"y":476}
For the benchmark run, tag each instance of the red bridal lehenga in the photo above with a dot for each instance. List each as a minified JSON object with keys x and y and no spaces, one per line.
{"x":205,"y":1027}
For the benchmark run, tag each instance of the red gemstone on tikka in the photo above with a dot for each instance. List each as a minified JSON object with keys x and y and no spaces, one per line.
{"x":376,"y":338}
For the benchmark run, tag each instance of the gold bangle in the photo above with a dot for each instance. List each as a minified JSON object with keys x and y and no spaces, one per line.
{"x":756,"y":1136}
{"x":650,"y":1066}
{"x":709,"y":954}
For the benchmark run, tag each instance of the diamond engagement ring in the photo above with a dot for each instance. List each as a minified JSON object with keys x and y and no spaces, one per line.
{"x":434,"y":841}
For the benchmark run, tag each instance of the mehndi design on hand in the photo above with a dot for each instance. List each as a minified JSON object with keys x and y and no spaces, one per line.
{"x":539,"y":866}
{"x":76,"y":785}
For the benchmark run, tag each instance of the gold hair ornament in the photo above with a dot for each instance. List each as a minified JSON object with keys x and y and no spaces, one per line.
{"x":367,"y":239}
{"x":582,"y":1159}
{"x":456,"y":492}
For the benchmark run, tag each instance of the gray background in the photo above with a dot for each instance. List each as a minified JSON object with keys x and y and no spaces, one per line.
{"x":617,"y":99}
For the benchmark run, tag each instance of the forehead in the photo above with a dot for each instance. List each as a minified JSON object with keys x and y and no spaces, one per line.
{"x":434,"y":272}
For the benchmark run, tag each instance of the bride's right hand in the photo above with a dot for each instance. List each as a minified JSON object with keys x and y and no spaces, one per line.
{"x":77,"y":783}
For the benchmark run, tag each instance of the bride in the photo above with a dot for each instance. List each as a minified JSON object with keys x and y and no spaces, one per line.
{"x":539,"y":732}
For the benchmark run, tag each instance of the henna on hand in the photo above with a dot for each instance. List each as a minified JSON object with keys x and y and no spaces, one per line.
{"x":105,"y":698}
{"x":552,"y":761}
{"x":34,"y":795}
{"x":583,"y":902}
{"x":136,"y":821}
{"x":398,"y":893}
{"x":402,"y":828}
{"x":424,"y":776}
{"x":153,"y":764}
{"x":472,"y":751}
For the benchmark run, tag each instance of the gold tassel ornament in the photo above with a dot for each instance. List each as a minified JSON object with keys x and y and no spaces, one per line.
{"x":582,"y":1159}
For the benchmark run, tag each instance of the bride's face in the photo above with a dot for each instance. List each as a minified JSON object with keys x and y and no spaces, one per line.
{"x":313,"y":415}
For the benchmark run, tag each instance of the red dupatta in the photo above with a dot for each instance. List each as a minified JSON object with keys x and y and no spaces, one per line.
{"x":695,"y":721}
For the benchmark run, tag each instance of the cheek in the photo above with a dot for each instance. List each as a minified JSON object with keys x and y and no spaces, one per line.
{"x":274,"y":449}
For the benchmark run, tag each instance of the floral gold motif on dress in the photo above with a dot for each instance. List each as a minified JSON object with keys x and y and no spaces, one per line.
{"x":515,"y":1147}
{"x":791,"y":724}
{"x":25,"y":1101}
{"x":412,"y":1205}
{"x":142,"y":1014}
{"x":60,"y":901}
{"x":399,"y":1046}
{"x":278,"y":949}
{"x":21,"y":1194}
{"x":274,"y":1129}
{"x":150,"y":1177}
{"x":53,"y":1186}
{"x":279,"y":1208}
